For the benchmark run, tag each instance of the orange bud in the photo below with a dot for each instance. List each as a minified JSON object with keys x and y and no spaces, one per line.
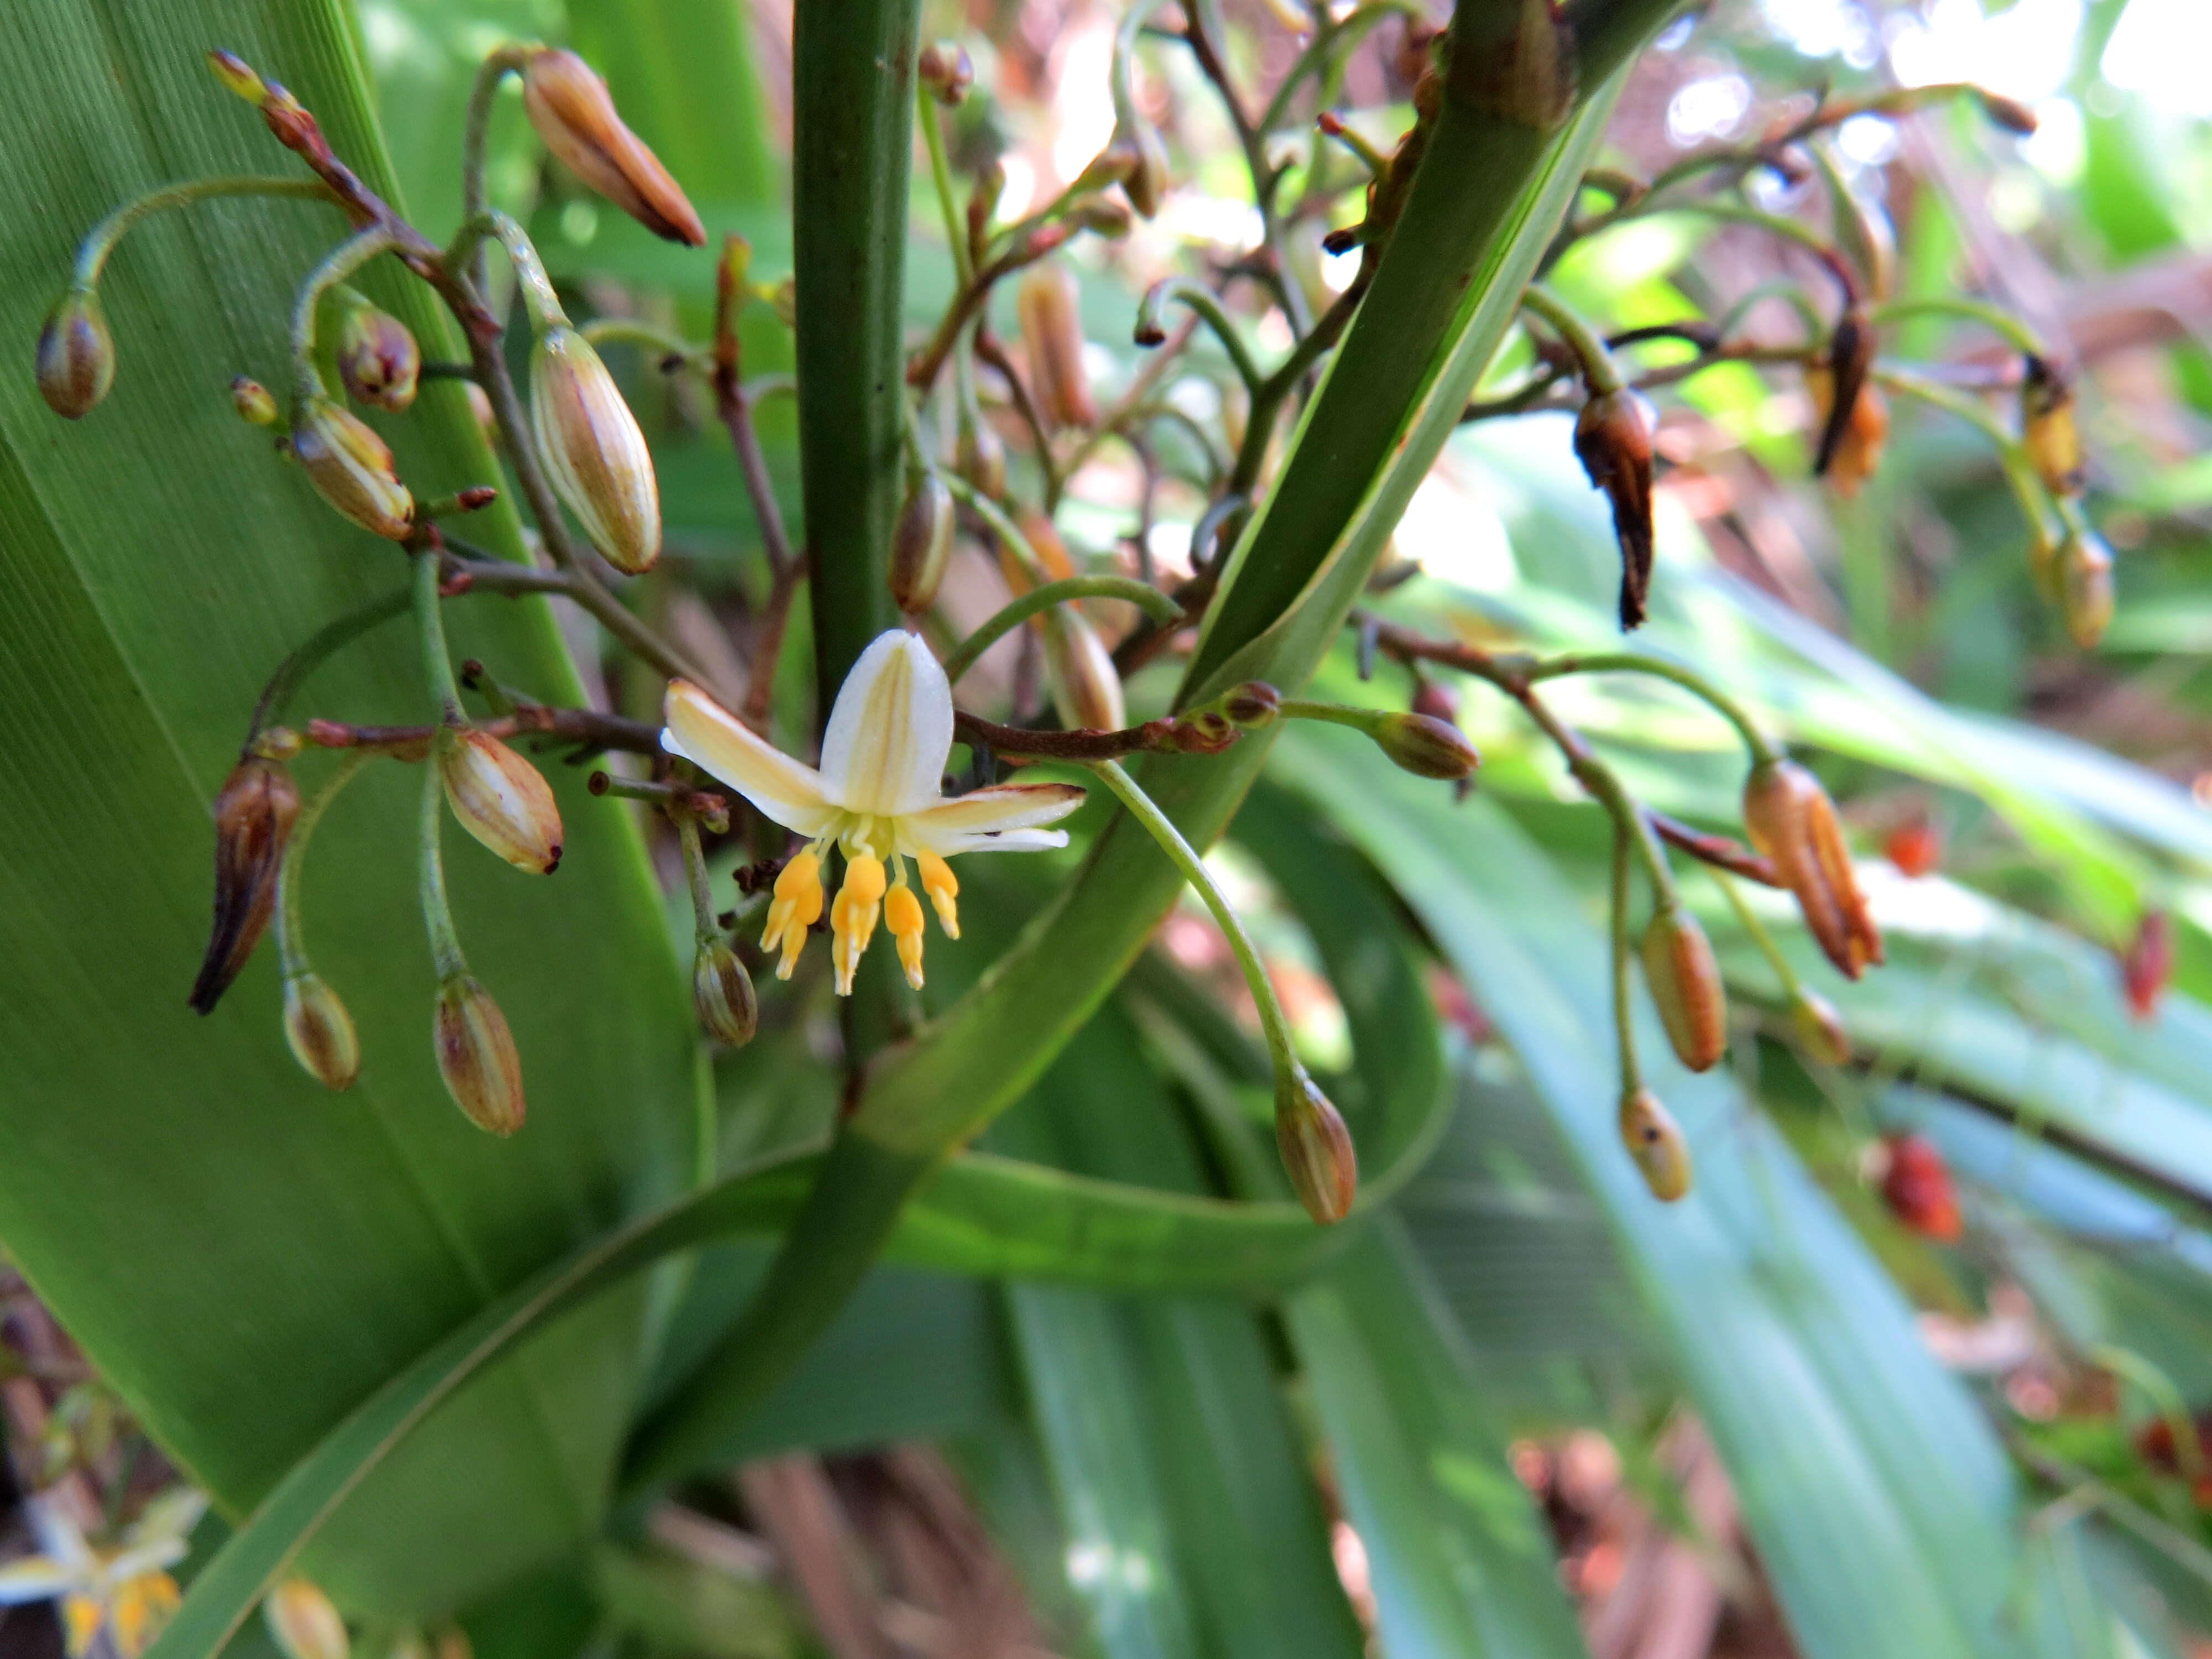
{"x":1859,"y":446}
{"x":1915,"y":847}
{"x":1048,"y":305}
{"x":1686,"y":983}
{"x":2085,"y":586}
{"x":595,"y":455}
{"x":1917,"y":1187}
{"x":1086,"y":687}
{"x":2147,"y":965}
{"x":722,"y":992}
{"x":1655,"y":1141}
{"x":569,"y":106}
{"x":320,"y":1031}
{"x":501,"y":799}
{"x":378,"y":358}
{"x":351,"y":468}
{"x":1613,"y":440}
{"x":253,"y":817}
{"x":1424,"y":745}
{"x":1837,"y":394}
{"x":1790,"y":819}
{"x":253,"y":401}
{"x":921,"y":542}
{"x":2047,"y":428}
{"x":1821,"y":1030}
{"x":477,"y":1056}
{"x":76,"y":355}
{"x":303,"y":1622}
{"x":1316,"y":1148}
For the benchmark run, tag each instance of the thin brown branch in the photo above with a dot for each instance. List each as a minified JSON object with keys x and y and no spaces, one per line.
{"x":590,"y":731}
{"x":1201,"y":734}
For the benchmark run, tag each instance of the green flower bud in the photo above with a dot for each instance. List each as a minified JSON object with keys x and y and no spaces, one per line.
{"x":1316,"y":1148}
{"x":477,"y":1056}
{"x":595,"y":456}
{"x":501,"y":799}
{"x":378,"y":358}
{"x":253,"y":401}
{"x":2085,"y":585}
{"x":921,"y":542}
{"x":1655,"y":1140}
{"x":723,"y":992}
{"x":304,"y":1623}
{"x":1686,"y":983}
{"x":351,"y":468}
{"x":1425,"y":746}
{"x":1086,"y":687}
{"x":76,"y":355}
{"x":320,"y":1031}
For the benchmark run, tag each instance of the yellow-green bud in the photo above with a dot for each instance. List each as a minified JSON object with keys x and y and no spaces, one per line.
{"x":569,"y":106}
{"x":351,"y":468}
{"x":1655,"y":1140}
{"x":477,"y":1055}
{"x":320,"y":1031}
{"x":1821,"y":1030}
{"x":1424,"y":745}
{"x":783,"y":300}
{"x":921,"y":543}
{"x":723,"y":992}
{"x":501,"y":799}
{"x":378,"y":358}
{"x":595,"y":456}
{"x":1100,"y":215}
{"x":1316,"y":1146}
{"x":1686,"y":983}
{"x":303,"y":1621}
{"x":1086,"y":687}
{"x":236,"y":74}
{"x":253,"y":402}
{"x":2085,"y":584}
{"x":1047,"y":305}
{"x":76,"y":355}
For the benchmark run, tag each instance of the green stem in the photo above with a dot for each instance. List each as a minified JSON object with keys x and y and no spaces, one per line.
{"x":665,"y":343}
{"x":1791,"y":985}
{"x":2165,"y":1400}
{"x":1154,"y":604}
{"x":290,"y":954}
{"x":1599,"y":373}
{"x":1208,"y":305}
{"x":1636,"y":662}
{"x":1001,"y":524}
{"x":695,"y":876}
{"x":99,"y":242}
{"x":1346,"y":34}
{"x":1624,"y":1013}
{"x":437,"y":663}
{"x":941,"y":174}
{"x":2015,"y":332}
{"x":502,"y":61}
{"x":1775,"y":224}
{"x":318,"y":647}
{"x":342,"y":261}
{"x":1595,"y":775}
{"x":2035,"y":502}
{"x":1336,"y":714}
{"x":537,"y":287}
{"x":437,"y":912}
{"x":1780,"y":287}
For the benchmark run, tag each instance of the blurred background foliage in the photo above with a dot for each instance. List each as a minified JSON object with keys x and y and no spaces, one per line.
{"x":1525,"y":1410}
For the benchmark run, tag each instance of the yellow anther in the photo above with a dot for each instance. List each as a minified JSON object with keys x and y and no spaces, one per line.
{"x":902,"y":915}
{"x":797,"y":907}
{"x":852,"y":917}
{"x":942,"y":887}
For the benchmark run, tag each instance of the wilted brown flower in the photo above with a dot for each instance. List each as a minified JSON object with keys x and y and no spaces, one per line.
{"x":569,"y":106}
{"x":253,"y":817}
{"x":1838,"y":393}
{"x":1790,"y":819}
{"x":1613,"y":440}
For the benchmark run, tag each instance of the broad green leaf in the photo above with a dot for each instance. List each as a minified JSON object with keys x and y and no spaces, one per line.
{"x":1799,"y":1355}
{"x":246,"y":1257}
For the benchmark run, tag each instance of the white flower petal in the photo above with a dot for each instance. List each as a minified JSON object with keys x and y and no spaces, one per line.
{"x":1002,"y":819}
{"x":701,"y":731}
{"x":33,"y":1578}
{"x":891,"y":729}
{"x":60,"y":1537}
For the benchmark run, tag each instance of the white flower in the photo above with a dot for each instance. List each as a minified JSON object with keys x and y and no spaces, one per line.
{"x":125,"y":1590}
{"x":877,"y":796}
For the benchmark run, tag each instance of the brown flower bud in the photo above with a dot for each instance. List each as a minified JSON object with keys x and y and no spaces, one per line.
{"x":477,"y":1056}
{"x":501,"y":799}
{"x":1655,"y":1141}
{"x":253,"y":402}
{"x":1425,"y":746}
{"x":320,"y":1031}
{"x":2047,"y":428}
{"x":351,"y":468}
{"x":1790,"y":819}
{"x":1048,"y":307}
{"x":1316,"y":1146}
{"x":947,"y":71}
{"x":1437,"y":702}
{"x":595,"y":456}
{"x":1254,"y":704}
{"x":980,"y":457}
{"x":1101,"y":215}
{"x":2008,"y":113}
{"x":1686,"y":983}
{"x":1141,"y":161}
{"x":76,"y":355}
{"x":921,"y":542}
{"x":2085,"y":586}
{"x":480,"y":406}
{"x":1839,"y":393}
{"x":2147,"y":965}
{"x":253,"y":817}
{"x":723,"y":992}
{"x":1613,"y":440}
{"x":1821,"y":1030}
{"x":1917,"y":1187}
{"x":378,"y":358}
{"x":304,"y":1623}
{"x":569,"y":106}
{"x":1858,"y":450}
{"x":1086,"y":688}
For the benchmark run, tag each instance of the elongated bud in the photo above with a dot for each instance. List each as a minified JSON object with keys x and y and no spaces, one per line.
{"x":1142,"y":161}
{"x":983,"y":204}
{"x":304,"y":1623}
{"x":1917,"y":1187}
{"x":1316,"y":1146}
{"x":2147,"y":965}
{"x":921,"y":542}
{"x":378,"y":358}
{"x":501,"y":799}
{"x":2047,"y":428}
{"x":1821,"y":1030}
{"x":253,"y":817}
{"x":2085,"y":586}
{"x":351,"y":468}
{"x":723,"y":992}
{"x":1686,"y":983}
{"x":76,"y":355}
{"x":480,"y":406}
{"x":253,"y":402}
{"x":595,"y":455}
{"x":1790,"y":819}
{"x":320,"y":1031}
{"x":1655,"y":1141}
{"x":1860,"y":436}
{"x":236,"y":74}
{"x":1850,"y":355}
{"x":1048,"y":307}
{"x":1252,"y":705}
{"x":2008,"y":113}
{"x":1613,"y":440}
{"x":1101,"y":215}
{"x":569,"y":106}
{"x":980,"y":457}
{"x":477,"y":1056}
{"x":947,"y":71}
{"x":1425,"y":746}
{"x":1086,"y":688}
